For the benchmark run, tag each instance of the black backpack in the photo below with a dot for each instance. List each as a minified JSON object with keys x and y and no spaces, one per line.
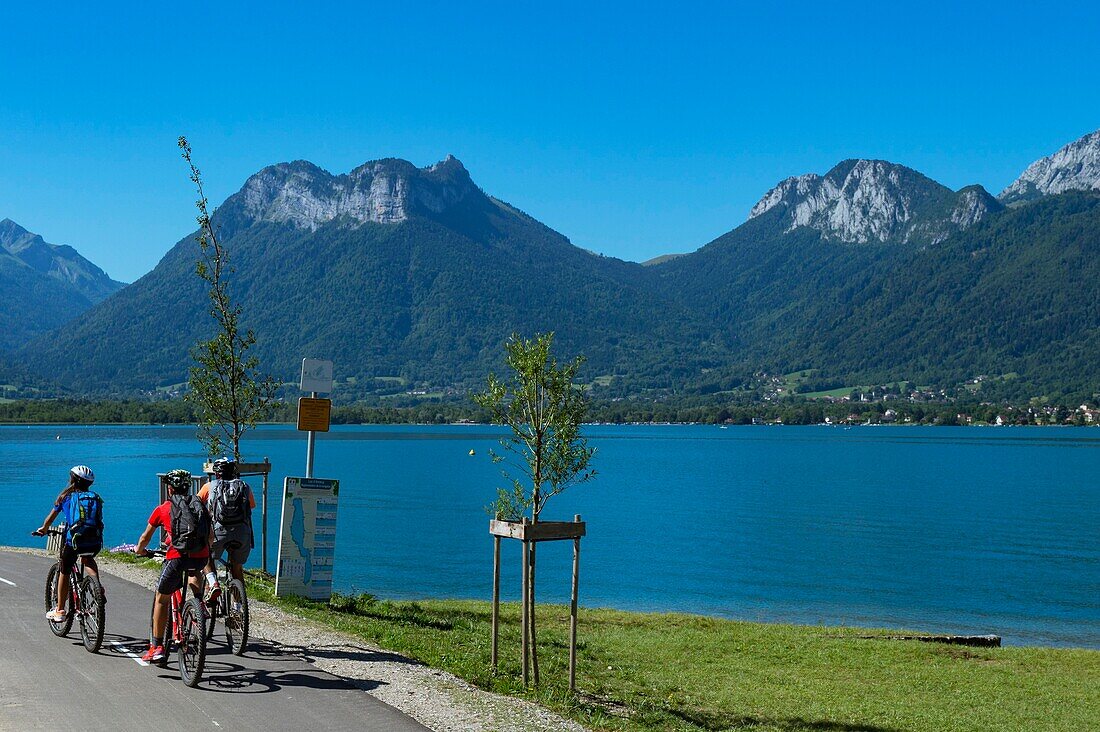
{"x":230,"y":505}
{"x":86,"y":532}
{"x":190,"y":524}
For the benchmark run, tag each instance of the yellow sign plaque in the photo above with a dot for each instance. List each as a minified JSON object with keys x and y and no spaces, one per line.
{"x":314,"y":414}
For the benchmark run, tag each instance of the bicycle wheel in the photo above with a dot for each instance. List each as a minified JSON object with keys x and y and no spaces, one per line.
{"x":92,"y":613}
{"x":59,"y":629}
{"x":236,"y":616}
{"x":192,"y":650}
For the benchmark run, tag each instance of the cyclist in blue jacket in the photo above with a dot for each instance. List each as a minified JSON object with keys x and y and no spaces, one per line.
{"x":81,"y":478}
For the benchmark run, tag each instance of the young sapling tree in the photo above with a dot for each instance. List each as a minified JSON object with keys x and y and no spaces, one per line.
{"x":229,"y":392}
{"x":543,"y":410}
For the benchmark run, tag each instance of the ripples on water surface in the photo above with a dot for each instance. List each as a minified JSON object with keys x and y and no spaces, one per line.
{"x":967,"y":530}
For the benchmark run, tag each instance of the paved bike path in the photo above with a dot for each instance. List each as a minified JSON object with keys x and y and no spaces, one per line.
{"x":51,"y":682}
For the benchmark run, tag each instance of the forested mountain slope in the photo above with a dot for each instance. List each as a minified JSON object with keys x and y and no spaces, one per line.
{"x":869,"y":274}
{"x":44,"y":285}
{"x":391,"y":271}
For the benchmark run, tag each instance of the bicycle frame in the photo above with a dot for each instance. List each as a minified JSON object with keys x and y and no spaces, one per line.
{"x":76,"y":575}
{"x":188,"y":630}
{"x":177,"y":600}
{"x":234,"y":617}
{"x":87,"y":609}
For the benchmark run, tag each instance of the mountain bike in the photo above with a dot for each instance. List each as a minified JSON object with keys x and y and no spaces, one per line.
{"x":86,"y":601}
{"x":185,"y":629}
{"x":231,"y":606}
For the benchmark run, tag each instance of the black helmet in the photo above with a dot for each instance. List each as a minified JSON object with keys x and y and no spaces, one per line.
{"x":178,"y":480}
{"x":225,"y":467}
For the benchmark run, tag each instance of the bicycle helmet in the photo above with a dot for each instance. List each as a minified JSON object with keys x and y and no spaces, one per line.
{"x":225,"y":467}
{"x":178,"y":480}
{"x":84,"y":473}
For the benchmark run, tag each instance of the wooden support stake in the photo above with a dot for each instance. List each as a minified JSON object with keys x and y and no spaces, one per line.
{"x":533,"y":644}
{"x":573,"y":612}
{"x":523,"y":616}
{"x":496,"y":599}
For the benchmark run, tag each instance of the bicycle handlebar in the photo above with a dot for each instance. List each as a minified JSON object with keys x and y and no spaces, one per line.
{"x":54,"y":532}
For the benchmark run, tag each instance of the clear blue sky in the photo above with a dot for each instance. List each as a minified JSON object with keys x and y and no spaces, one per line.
{"x":635,"y":129}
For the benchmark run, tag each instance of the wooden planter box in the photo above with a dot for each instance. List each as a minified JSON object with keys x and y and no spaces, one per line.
{"x":542,"y":531}
{"x":527,"y":533}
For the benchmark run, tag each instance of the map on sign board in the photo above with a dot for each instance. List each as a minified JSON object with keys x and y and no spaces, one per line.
{"x":316,"y":376}
{"x":307,"y":538}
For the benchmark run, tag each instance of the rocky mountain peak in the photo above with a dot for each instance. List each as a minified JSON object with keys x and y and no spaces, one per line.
{"x":386,"y":191}
{"x":60,"y":262}
{"x":1075,"y":167}
{"x":10,"y":231}
{"x":863,"y":201}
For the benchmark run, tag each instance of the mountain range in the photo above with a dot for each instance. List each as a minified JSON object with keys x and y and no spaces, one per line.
{"x":413,"y":276}
{"x":47,"y":285}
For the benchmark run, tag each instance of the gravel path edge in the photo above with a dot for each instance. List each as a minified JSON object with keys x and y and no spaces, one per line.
{"x":437,"y":699}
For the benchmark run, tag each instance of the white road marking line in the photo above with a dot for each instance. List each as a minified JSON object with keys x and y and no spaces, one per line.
{"x":129,"y":653}
{"x":8,"y":582}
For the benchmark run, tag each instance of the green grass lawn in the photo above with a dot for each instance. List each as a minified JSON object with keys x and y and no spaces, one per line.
{"x":680,"y":672}
{"x":842,"y":391}
{"x":649,"y":671}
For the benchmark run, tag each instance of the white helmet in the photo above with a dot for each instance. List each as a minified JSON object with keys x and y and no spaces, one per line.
{"x":84,"y":473}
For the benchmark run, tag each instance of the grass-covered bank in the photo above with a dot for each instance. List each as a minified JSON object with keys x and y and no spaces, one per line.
{"x":678,"y":672}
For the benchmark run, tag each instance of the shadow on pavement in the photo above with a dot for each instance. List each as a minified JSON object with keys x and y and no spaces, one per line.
{"x":111,"y":650}
{"x":339,"y":653}
{"x":223,"y":673}
{"x":236,"y":679}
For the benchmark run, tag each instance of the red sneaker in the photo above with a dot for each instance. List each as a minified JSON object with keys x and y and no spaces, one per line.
{"x":154,"y":654}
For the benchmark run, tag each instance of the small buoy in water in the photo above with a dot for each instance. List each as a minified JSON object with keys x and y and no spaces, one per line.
{"x":58,"y":437}
{"x":472,"y":452}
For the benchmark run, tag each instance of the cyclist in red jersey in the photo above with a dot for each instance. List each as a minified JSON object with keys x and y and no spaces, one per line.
{"x":176,"y":565}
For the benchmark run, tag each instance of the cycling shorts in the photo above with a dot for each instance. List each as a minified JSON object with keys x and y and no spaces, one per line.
{"x":171,"y":576}
{"x":69,"y":557}
{"x":236,"y":540}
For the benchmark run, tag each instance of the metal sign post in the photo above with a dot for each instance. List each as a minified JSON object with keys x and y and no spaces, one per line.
{"x":311,"y":439}
{"x":313,"y":413}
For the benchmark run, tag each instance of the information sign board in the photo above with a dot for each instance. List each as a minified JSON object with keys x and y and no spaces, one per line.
{"x":314,"y":414}
{"x":316,"y":376}
{"x":307,"y":538}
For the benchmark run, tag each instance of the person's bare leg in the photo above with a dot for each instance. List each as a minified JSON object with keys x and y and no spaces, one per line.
{"x":90,"y":566}
{"x":195,"y":581}
{"x":160,"y":615}
{"x":62,"y":589}
{"x":236,"y":571}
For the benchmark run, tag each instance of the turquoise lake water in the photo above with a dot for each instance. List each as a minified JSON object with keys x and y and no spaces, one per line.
{"x":954,"y":530}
